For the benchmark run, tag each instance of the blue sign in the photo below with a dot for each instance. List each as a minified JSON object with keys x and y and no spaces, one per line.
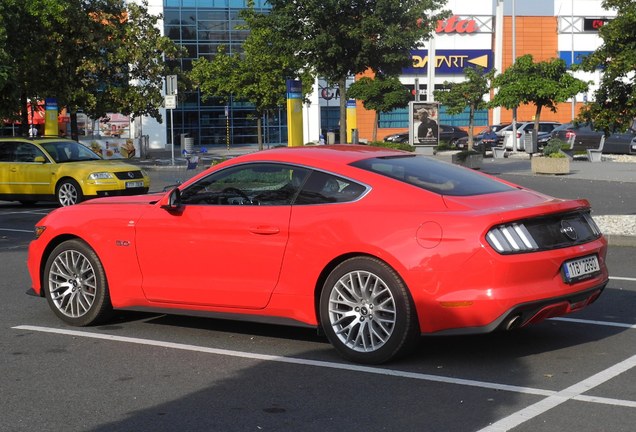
{"x":449,"y":62}
{"x":294,"y":89}
{"x":578,"y":56}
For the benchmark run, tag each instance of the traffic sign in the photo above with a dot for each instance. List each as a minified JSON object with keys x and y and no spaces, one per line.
{"x":171,"y":102}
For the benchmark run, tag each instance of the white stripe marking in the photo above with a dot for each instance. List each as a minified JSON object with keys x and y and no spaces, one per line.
{"x":630,"y":279}
{"x":323,"y":364}
{"x":592,"y":322}
{"x":572,"y":392}
{"x":16,"y":230}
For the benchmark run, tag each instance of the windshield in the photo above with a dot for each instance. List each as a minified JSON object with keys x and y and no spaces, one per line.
{"x":432,"y":175}
{"x":69,"y":151}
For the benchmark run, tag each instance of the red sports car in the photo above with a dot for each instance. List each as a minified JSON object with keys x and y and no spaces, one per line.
{"x":374,"y":246}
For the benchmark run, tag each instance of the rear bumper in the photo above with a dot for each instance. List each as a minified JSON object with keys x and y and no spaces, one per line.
{"x":533,"y":312}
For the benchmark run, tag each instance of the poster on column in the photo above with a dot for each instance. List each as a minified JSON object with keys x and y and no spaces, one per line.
{"x":424,"y":128}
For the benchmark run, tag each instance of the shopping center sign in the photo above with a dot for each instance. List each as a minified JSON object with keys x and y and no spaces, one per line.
{"x":449,"y":62}
{"x":465,"y":25}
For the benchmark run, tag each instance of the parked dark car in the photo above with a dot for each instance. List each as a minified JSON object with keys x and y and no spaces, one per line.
{"x":400,"y":137}
{"x":447,"y":133}
{"x":478,"y":145}
{"x":586,"y":137}
{"x":451,"y":134}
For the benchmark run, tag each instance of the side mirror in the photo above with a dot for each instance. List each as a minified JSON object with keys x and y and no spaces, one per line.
{"x":172,"y":201}
{"x":39,"y":159}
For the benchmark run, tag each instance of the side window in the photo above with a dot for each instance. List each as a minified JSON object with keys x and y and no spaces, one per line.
{"x":323,"y":188}
{"x":27,"y":152}
{"x":248,"y":184}
{"x":7,"y":151}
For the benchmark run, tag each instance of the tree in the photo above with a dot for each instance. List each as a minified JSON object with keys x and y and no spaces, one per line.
{"x":119,"y":64}
{"x":341,"y":38}
{"x":614,"y":106}
{"x":257,"y":75}
{"x":469,"y":93}
{"x":544,"y":84}
{"x":381,"y":94}
{"x":98,"y":56}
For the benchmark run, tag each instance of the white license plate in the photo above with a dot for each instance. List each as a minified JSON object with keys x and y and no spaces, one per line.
{"x":581,"y":268}
{"x":135,"y":184}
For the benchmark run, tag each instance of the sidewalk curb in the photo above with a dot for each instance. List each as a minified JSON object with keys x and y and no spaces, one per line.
{"x":620,"y":240}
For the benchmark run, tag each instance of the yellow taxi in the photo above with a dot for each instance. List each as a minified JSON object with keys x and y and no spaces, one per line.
{"x":41,"y":169}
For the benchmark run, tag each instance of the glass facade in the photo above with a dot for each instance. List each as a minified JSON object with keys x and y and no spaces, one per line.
{"x":399,"y":118}
{"x":201,"y":26}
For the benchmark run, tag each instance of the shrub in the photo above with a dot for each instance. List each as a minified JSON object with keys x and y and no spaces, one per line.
{"x":398,"y":146}
{"x":553,"y":148}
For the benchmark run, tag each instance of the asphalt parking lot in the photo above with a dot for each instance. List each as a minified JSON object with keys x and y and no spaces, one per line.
{"x":146,"y":372}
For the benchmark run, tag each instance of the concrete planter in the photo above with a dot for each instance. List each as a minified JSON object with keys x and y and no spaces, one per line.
{"x":470,"y":160}
{"x":548,"y":165}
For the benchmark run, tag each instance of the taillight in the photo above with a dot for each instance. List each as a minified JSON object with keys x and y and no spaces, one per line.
{"x":511,"y":238}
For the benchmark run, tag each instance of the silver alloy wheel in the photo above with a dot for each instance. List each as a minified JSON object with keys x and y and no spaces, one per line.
{"x":72,"y":284}
{"x":362,"y":311}
{"x":67,"y":194}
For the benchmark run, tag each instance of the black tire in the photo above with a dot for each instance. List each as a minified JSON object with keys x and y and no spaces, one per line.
{"x":75,"y":285}
{"x":68,"y":192}
{"x":367,"y":312}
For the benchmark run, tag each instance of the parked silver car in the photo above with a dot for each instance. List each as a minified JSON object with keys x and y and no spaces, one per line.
{"x":523,"y":128}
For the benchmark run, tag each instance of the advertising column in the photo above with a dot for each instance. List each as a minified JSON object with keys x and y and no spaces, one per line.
{"x":352,"y":122}
{"x":294,"y":113}
{"x":50,"y":117}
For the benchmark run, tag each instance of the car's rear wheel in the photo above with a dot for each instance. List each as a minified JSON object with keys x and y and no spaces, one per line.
{"x":367,"y":312}
{"x":68,"y":192}
{"x":75,"y":284}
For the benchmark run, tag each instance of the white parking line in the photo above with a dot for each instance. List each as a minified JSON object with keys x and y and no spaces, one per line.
{"x":343,"y":366}
{"x":630,"y":279}
{"x":592,"y":322}
{"x":561,"y":397}
{"x":16,"y":230}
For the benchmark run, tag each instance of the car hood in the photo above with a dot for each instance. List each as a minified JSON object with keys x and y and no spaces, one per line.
{"x":111,"y":164}
{"x":132,"y":199}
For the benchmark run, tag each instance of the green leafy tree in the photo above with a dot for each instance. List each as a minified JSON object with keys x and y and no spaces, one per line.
{"x":381,"y":94}
{"x":341,"y":38}
{"x":29,"y":29}
{"x":98,"y":56}
{"x":469,"y":93}
{"x":544,"y":84}
{"x":614,"y":106}
{"x":258,"y":74}
{"x":123,"y":62}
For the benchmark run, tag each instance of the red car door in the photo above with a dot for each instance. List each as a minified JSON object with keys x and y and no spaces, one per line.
{"x":213,"y":255}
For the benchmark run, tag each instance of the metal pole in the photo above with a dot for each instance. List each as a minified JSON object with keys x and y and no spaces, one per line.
{"x":432,"y":62}
{"x":172,"y":134}
{"x":514,"y":59}
{"x":572,"y":55}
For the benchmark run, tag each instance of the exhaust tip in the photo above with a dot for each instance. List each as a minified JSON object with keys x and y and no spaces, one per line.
{"x":513,"y":323}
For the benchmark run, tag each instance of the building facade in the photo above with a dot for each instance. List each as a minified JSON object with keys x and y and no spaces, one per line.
{"x":489,"y":33}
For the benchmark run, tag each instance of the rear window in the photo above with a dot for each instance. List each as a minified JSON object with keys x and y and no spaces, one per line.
{"x":433,"y":175}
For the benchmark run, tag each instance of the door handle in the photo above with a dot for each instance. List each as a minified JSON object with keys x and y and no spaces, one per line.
{"x":265,"y":230}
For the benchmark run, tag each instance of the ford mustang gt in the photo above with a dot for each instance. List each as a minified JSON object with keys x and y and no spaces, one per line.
{"x":373,"y":246}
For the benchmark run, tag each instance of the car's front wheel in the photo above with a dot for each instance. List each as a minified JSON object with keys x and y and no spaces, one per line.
{"x":75,"y":284}
{"x":367,"y":312}
{"x":68,"y":192}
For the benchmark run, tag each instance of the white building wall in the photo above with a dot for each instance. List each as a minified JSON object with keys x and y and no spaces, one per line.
{"x":158,"y":137}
